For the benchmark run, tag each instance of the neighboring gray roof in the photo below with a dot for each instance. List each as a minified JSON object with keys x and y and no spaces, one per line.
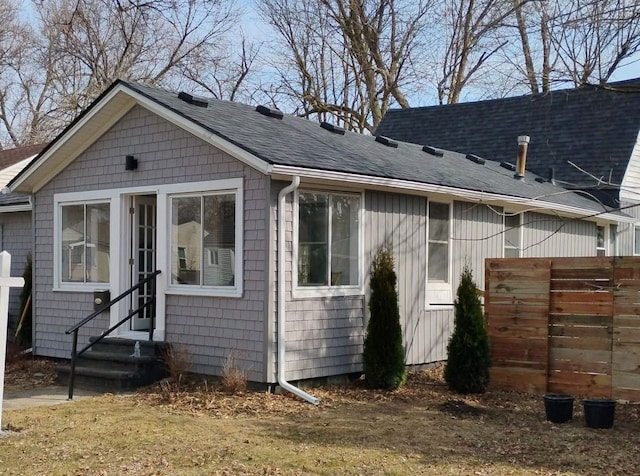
{"x":594,"y":127}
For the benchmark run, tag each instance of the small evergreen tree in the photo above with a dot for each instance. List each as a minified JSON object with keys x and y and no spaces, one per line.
{"x":383,"y":357}
{"x":24,"y":332}
{"x":467,"y":368}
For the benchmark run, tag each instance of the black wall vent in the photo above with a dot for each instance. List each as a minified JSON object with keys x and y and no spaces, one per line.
{"x":386,"y":141}
{"x":474,"y":158}
{"x":270,"y":112}
{"x":188,"y":98}
{"x":332,"y":128}
{"x":433,"y":151}
{"x":508,"y":166}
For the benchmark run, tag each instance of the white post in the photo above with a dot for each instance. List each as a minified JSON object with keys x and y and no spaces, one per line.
{"x":6,"y":282}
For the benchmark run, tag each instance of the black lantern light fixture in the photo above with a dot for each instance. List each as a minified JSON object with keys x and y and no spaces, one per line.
{"x":131,"y":163}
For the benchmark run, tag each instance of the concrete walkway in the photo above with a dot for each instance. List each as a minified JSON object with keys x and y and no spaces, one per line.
{"x":42,"y":396}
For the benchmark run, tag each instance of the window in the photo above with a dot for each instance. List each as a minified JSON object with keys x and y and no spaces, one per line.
{"x":84,"y":246}
{"x":328,"y":239}
{"x":512,"y":236}
{"x":636,"y":240}
{"x":182,"y":258}
{"x":204,"y":239}
{"x":438,"y":282}
{"x":601,"y":247}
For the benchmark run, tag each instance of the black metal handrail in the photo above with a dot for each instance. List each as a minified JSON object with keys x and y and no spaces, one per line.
{"x":74,"y":330}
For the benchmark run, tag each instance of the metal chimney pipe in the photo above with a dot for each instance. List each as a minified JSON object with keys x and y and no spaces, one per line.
{"x":523,"y":145}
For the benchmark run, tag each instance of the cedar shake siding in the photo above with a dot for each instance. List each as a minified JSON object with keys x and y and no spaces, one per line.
{"x":15,"y":228}
{"x":209,"y":328}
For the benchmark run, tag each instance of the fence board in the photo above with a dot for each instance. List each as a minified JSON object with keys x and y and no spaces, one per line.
{"x":572,"y":330}
{"x":528,"y":380}
{"x":573,"y":383}
{"x":581,"y":343}
{"x":586,"y":341}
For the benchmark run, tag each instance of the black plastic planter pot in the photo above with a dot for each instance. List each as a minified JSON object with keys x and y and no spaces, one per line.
{"x":599,"y":412}
{"x":558,"y":407}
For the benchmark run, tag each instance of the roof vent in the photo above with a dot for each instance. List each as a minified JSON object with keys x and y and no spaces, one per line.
{"x":508,"y":166}
{"x":332,"y":128}
{"x":475,"y":159}
{"x":386,"y":141}
{"x":188,"y":98}
{"x":433,"y":151}
{"x":270,"y":112}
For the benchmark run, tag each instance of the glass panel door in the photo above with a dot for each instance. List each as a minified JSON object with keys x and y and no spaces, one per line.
{"x":143,"y":256}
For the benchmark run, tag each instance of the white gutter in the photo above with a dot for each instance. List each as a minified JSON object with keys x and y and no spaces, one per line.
{"x":282,"y":381}
{"x":533,"y":204}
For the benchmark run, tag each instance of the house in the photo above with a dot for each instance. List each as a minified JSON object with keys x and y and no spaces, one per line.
{"x":263,"y":227}
{"x":15,"y":218}
{"x":582,"y":139}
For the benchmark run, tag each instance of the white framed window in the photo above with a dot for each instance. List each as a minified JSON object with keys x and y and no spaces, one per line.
{"x":636,"y":240}
{"x":205,"y":239}
{"x":512,"y":235}
{"x":82,"y":243}
{"x":328,"y":243}
{"x":601,"y":244}
{"x":439,"y":290}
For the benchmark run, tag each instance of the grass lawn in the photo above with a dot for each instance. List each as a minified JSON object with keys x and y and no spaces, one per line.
{"x":420,"y":429}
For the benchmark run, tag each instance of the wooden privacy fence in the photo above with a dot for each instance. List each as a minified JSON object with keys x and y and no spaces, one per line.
{"x":565,"y":325}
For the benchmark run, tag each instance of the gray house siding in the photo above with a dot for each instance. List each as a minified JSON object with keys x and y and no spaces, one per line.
{"x":626,"y":231}
{"x":547,"y":235}
{"x":15,"y":237}
{"x":324,"y":336}
{"x":210,"y":328}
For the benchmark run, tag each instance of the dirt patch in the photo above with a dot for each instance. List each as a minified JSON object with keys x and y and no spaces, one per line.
{"x":27,"y":372}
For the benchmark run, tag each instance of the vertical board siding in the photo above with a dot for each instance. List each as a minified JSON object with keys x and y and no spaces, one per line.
{"x":401,"y":220}
{"x":626,"y":230}
{"x":209,"y":328}
{"x":16,"y":239}
{"x":630,"y":188}
{"x":548,"y":235}
{"x":477,"y":234}
{"x":591,"y":326}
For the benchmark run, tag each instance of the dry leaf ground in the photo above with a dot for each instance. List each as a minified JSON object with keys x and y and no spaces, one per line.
{"x":419,"y":429}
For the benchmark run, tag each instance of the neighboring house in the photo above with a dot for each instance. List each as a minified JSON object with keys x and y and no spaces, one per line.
{"x":15,"y":218}
{"x":582,"y":139}
{"x":263,"y":224}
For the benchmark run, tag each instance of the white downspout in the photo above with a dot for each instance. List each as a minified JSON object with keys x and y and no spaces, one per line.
{"x":282,"y":381}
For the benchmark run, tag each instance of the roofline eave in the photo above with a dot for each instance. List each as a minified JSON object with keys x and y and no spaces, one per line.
{"x":420,"y":188}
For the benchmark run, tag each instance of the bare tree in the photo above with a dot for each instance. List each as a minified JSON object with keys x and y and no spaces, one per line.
{"x":16,"y":41}
{"x":346,"y":59}
{"x":468,"y":33}
{"x":76,"y":48}
{"x":576,"y":42}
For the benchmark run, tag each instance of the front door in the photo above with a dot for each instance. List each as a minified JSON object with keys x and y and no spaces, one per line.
{"x":142,"y":258}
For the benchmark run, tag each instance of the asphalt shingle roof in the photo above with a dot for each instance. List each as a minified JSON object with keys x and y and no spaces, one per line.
{"x":297,"y":142}
{"x":293,"y":141}
{"x":593,"y":127}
